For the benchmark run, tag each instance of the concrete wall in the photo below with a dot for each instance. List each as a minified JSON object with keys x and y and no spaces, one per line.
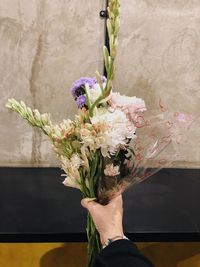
{"x":46,"y":45}
{"x":159,"y":58}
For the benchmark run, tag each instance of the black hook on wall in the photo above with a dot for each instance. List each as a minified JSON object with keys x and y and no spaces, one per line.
{"x":104,"y":15}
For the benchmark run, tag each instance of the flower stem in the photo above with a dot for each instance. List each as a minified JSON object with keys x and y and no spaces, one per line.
{"x":113,"y":25}
{"x":94,"y":246}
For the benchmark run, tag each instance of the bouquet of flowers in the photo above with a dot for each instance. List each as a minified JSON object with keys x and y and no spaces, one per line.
{"x":110,"y":144}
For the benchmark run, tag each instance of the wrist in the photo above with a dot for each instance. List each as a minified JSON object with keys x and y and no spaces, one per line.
{"x":111,"y":236}
{"x":113,"y":239}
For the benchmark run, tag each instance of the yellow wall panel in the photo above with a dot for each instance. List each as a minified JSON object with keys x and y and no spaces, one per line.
{"x":42,"y":255}
{"x":74,"y":254}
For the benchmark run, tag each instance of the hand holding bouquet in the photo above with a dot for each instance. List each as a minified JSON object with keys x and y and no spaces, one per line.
{"x":100,"y":151}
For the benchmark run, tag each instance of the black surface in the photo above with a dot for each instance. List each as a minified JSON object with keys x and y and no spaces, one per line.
{"x":36,"y":207}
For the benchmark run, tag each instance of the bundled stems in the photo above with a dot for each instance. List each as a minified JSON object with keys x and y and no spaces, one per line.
{"x":113,"y":25}
{"x":94,"y":244}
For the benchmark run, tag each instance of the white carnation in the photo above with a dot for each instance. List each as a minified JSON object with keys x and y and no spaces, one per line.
{"x":114,"y":129}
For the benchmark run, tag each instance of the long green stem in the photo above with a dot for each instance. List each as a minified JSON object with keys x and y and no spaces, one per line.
{"x":94,"y":246}
{"x":113,"y":24}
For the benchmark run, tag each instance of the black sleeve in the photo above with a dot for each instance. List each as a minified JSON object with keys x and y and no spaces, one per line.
{"x":121,"y":253}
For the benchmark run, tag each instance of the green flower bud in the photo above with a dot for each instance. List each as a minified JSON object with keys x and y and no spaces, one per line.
{"x":106,"y":56}
{"x":45,"y":118}
{"x":47,"y":129}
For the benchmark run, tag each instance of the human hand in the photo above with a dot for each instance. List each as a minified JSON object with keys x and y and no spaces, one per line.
{"x":107,"y":219}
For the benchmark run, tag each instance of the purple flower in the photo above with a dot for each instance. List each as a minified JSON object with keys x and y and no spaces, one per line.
{"x":78,"y":87}
{"x":81,"y":101}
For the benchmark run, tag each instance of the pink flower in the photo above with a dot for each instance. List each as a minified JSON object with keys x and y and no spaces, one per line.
{"x":129,"y":105}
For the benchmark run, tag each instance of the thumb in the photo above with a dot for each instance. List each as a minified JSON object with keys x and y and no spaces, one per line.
{"x":89,"y":203}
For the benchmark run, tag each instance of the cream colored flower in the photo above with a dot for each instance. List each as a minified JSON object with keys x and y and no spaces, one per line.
{"x":71,"y":172}
{"x":111,"y":170}
{"x":76,"y":160}
{"x":88,"y":138}
{"x":63,"y":130}
{"x":84,"y":157}
{"x":70,"y":182}
{"x":85,"y":133}
{"x":113,"y":130}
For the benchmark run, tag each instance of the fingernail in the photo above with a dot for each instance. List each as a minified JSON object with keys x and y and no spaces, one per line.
{"x":91,"y":199}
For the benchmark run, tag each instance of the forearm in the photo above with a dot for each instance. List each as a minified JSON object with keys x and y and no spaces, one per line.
{"x":121,"y":253}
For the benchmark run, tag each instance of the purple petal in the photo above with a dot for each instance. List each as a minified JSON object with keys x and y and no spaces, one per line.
{"x":81,"y":101}
{"x":78,"y":87}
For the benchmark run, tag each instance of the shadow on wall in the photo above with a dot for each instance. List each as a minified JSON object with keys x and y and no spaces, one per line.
{"x":69,"y":255}
{"x":161,"y":254}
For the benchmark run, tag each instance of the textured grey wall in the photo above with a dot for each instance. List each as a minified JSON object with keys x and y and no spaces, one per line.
{"x":46,"y":45}
{"x":159,"y":58}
